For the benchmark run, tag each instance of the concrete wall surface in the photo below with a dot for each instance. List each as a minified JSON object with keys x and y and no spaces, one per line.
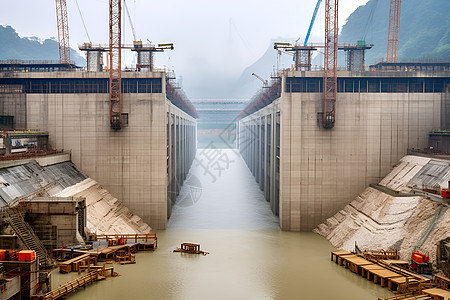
{"x":130,"y":163}
{"x":323,"y":170}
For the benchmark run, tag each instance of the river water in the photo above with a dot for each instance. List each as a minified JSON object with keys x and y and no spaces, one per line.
{"x":221,"y":207}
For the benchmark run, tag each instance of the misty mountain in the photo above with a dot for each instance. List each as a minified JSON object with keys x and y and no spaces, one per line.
{"x":31,"y":48}
{"x":265,"y":67}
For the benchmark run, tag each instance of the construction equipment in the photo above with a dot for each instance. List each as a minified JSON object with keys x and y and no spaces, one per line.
{"x":394,"y":26}
{"x":264,"y":81}
{"x":312,"y":22}
{"x":63,"y":31}
{"x":328,"y":115}
{"x":420,"y":263}
{"x":27,"y":236}
{"x":129,"y":19}
{"x":115,"y":63}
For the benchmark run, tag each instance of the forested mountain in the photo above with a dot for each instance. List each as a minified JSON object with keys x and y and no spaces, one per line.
{"x":424,"y":29}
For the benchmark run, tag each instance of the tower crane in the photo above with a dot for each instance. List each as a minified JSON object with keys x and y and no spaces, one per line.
{"x":394,"y":26}
{"x":330,"y":64}
{"x":63,"y":31}
{"x":115,"y":63}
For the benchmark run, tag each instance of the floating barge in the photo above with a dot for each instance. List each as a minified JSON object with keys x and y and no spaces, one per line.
{"x":190,"y":248}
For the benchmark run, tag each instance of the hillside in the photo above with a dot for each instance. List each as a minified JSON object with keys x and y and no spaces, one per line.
{"x":12,"y":46}
{"x":424,"y":29}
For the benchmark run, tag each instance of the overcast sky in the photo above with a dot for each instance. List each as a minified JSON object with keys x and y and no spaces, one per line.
{"x":212,"y":39}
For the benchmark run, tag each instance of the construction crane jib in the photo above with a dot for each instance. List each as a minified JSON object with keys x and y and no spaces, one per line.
{"x":394,"y":26}
{"x":330,"y":64}
{"x":264,"y":81}
{"x":63,"y":31}
{"x":311,"y":24}
{"x":115,"y":75}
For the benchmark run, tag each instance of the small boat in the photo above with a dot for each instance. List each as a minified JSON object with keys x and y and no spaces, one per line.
{"x":190,"y":248}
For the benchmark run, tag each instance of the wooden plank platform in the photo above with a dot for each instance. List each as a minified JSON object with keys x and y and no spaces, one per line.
{"x":356,"y":263}
{"x":336,"y":255}
{"x":437,"y":294}
{"x":366,"y":268}
{"x":75,"y":263}
{"x":394,"y":262}
{"x":381,"y":276}
{"x":395,"y":283}
{"x":72,"y":286}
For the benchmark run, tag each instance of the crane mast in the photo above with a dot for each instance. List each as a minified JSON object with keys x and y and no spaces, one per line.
{"x":394,"y":26}
{"x":63,"y":31}
{"x":115,"y":75}
{"x":330,"y":64}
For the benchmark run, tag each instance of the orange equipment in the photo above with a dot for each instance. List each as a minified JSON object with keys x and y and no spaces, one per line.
{"x":421,"y":263}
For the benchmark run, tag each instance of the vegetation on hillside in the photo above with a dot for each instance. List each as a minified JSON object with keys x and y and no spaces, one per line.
{"x":424,"y":29}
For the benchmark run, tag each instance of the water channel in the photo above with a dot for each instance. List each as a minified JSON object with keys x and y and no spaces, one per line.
{"x":222,"y":208}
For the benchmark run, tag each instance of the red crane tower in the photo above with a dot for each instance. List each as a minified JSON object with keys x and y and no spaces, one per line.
{"x":63,"y":31}
{"x":330,"y":64}
{"x":115,"y":72}
{"x":394,"y":25}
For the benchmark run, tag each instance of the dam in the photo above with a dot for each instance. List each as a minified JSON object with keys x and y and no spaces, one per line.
{"x":308,"y":173}
{"x":305,"y":172}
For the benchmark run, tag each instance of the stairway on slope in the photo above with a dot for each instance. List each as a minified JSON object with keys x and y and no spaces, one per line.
{"x":27,"y":236}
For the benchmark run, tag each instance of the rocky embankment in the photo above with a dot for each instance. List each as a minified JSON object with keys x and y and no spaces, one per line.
{"x":105,"y":214}
{"x":395,"y":215}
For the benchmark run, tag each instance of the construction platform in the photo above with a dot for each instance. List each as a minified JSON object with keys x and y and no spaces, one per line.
{"x":395,"y":281}
{"x":389,"y":273}
{"x":118,"y":248}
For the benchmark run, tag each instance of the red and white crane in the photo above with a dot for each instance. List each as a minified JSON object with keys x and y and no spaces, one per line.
{"x":115,"y":71}
{"x":63,"y":31}
{"x":330,"y":64}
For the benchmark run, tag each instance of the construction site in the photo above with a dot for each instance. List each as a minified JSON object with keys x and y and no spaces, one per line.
{"x":93,"y":159}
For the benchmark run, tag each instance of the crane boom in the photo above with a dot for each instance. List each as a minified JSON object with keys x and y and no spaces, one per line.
{"x":394,"y":26}
{"x":129,"y":19}
{"x":63,"y":31}
{"x":260,"y":78}
{"x":115,"y":63}
{"x":312,"y":22}
{"x":330,"y":64}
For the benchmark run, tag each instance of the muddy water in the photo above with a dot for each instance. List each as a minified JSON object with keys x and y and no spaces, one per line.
{"x":250,"y":257}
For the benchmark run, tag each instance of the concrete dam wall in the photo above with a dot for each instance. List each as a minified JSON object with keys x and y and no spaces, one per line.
{"x":309,"y":173}
{"x":143,"y":164}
